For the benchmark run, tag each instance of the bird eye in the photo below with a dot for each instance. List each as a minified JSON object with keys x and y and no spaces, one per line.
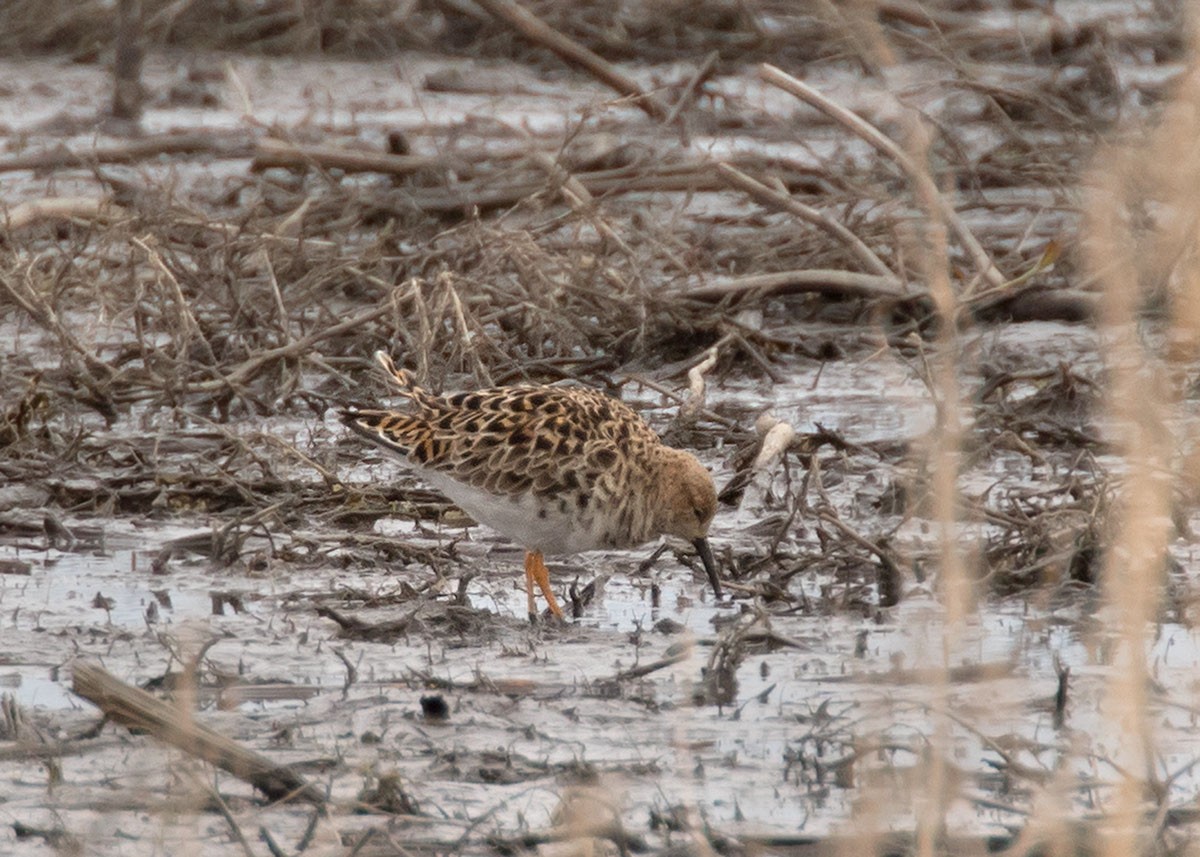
{"x":699,"y":513}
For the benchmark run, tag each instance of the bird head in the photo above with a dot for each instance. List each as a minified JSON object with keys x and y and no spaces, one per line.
{"x":688,"y":501}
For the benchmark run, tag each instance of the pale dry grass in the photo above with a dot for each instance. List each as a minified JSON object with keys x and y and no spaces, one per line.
{"x":226,"y":320}
{"x":1138,"y":267}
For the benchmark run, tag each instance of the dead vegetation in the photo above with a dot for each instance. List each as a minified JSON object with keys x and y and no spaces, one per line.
{"x":183,"y":323}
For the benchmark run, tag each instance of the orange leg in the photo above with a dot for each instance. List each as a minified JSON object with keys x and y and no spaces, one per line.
{"x":529,"y":586}
{"x":536,"y":572}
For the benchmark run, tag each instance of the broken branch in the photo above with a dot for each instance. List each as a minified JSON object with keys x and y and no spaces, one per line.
{"x":137,"y":709}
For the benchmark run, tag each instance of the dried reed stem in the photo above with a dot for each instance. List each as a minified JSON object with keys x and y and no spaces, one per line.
{"x":541,"y":33}
{"x":917,"y":174}
{"x":777,"y":199}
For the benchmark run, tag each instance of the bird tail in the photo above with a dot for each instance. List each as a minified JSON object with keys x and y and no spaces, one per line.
{"x":404,"y":434}
{"x":409,"y":435}
{"x":402,"y":378}
{"x":406,"y":382}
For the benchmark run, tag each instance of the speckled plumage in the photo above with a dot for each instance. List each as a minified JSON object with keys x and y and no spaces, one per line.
{"x":558,"y":470}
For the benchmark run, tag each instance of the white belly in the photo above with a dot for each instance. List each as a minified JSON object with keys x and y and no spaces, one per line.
{"x":532,"y":523}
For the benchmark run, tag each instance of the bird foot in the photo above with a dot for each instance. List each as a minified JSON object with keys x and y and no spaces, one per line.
{"x":536,"y":572}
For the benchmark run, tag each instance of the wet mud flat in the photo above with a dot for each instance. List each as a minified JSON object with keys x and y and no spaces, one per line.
{"x":227,"y":627}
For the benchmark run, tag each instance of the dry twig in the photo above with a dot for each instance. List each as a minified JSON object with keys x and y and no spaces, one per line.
{"x":539,"y":32}
{"x":916,"y":174}
{"x":134,"y":708}
{"x":282,"y":153}
{"x":777,"y":199}
{"x":231,"y":146}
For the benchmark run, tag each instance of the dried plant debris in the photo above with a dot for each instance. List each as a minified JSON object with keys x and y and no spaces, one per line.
{"x":1054,"y":407}
{"x":720,"y":212}
{"x":617,"y":31}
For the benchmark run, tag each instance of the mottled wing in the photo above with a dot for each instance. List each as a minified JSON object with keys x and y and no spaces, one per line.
{"x":512,"y":440}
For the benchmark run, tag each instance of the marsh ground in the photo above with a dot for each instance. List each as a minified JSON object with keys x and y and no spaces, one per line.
{"x":186,"y":299}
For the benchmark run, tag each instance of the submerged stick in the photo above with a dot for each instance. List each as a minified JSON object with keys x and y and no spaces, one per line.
{"x":59,"y":157}
{"x":824,"y":281}
{"x":137,"y":709}
{"x":674,"y":656}
{"x":128,"y":92}
{"x":270,"y":152}
{"x":539,"y":32}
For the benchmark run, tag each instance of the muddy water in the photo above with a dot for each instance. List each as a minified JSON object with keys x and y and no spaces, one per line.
{"x":749,"y":765}
{"x":842,"y":707}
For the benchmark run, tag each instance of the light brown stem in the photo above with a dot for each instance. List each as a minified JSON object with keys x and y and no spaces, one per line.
{"x":539,"y":32}
{"x":919,"y":177}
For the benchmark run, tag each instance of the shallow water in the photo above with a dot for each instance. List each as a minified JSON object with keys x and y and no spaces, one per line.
{"x":535,"y":712}
{"x":873,"y":674}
